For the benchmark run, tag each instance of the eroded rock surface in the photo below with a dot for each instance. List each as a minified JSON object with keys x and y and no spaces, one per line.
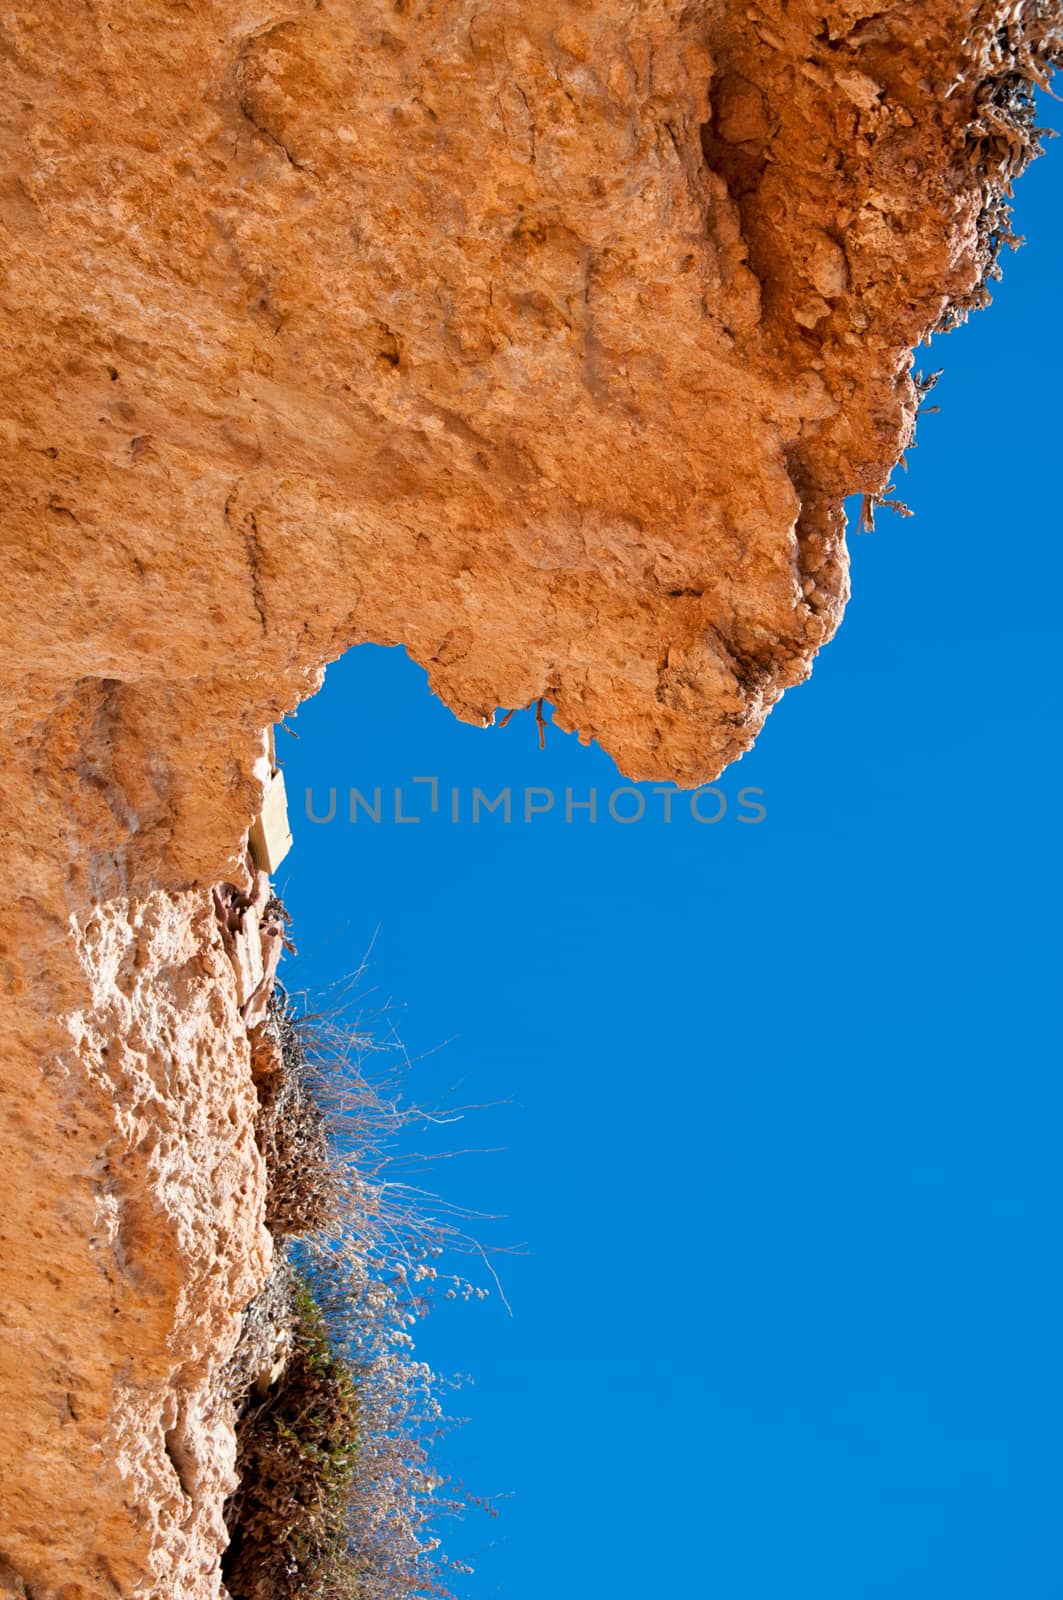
{"x":131,"y":1236}
{"x":545,"y":340}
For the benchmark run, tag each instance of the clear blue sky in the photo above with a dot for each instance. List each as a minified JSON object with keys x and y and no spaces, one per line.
{"x":783,"y":1138}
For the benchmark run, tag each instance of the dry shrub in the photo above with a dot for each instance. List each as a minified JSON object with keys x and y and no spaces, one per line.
{"x":338,"y":1497}
{"x":296,"y":1455}
{"x":1020,"y":55}
{"x":291,"y":1127}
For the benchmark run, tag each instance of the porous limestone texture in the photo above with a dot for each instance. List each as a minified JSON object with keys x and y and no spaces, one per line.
{"x":131,"y":1236}
{"x":543,"y":339}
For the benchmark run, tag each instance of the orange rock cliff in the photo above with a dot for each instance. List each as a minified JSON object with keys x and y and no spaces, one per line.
{"x":545,"y":340}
